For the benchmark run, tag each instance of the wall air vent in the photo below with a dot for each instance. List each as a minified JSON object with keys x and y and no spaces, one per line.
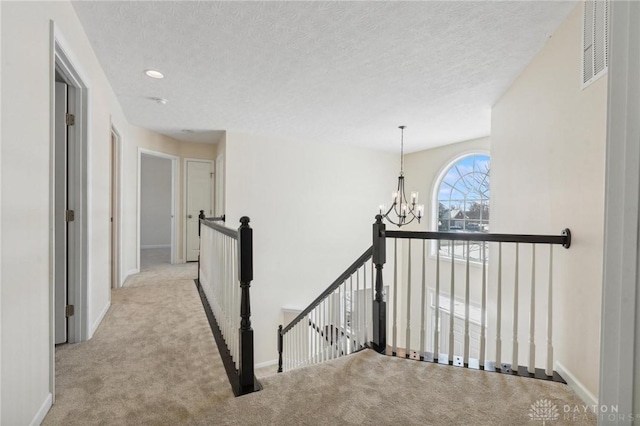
{"x":595,"y":41}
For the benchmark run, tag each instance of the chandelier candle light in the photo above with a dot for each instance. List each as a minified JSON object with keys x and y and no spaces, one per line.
{"x":402,"y":208}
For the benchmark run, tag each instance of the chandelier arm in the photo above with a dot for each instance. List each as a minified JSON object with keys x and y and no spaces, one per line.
{"x":388,"y":211}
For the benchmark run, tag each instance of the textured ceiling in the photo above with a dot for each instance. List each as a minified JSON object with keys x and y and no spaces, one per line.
{"x":330,"y":72}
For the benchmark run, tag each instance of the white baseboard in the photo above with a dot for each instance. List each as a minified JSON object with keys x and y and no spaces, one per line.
{"x":575,"y":384}
{"x":96,"y":324}
{"x":152,"y":246}
{"x":42,"y":412}
{"x":129,"y":273}
{"x":267,"y":363}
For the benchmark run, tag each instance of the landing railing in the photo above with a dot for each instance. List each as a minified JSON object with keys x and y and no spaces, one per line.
{"x":447,"y":308}
{"x":225,"y":272}
{"x":437,"y":301}
{"x":335,"y":324}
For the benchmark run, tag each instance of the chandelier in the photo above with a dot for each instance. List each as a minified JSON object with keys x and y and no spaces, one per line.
{"x":402,"y":211}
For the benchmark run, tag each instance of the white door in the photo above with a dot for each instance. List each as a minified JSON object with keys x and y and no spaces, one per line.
{"x":60,"y":197}
{"x":219,"y":184}
{"x":199,"y":190}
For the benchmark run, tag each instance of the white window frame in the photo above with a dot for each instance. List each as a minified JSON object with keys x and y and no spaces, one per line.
{"x":433,"y":223}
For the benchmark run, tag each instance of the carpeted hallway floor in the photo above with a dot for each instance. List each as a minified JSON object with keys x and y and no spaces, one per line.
{"x":153,"y":361}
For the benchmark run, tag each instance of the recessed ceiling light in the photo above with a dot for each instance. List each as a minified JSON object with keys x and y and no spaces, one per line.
{"x":187,"y":131}
{"x":154,"y":74}
{"x":161,"y":101}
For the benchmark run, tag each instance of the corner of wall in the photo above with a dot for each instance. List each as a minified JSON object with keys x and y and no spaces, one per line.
{"x":1,"y":62}
{"x":577,"y":386}
{"x":98,"y":320}
{"x":42,"y":411}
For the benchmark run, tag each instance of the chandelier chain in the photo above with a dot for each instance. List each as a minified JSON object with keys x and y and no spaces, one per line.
{"x":402,"y":150}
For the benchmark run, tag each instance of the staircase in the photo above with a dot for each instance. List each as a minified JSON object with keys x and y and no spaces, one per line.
{"x":473,"y":300}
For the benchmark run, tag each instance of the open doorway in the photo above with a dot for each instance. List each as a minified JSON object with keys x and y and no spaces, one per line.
{"x":156,"y":200}
{"x":69,"y":112}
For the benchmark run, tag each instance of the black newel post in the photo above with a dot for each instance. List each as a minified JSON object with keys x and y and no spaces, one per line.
{"x":245,"y":274}
{"x":280,"y":349}
{"x":379,"y":305}
{"x":200,"y":217}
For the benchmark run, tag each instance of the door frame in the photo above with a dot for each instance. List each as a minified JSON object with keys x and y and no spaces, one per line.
{"x":183,"y":219}
{"x":63,"y":59}
{"x":116,"y":168}
{"x":619,"y":383}
{"x":174,"y":182}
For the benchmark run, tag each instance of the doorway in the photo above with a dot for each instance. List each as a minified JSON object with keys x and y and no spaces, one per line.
{"x":157,"y":174}
{"x":64,"y":205}
{"x":69,"y":133}
{"x":198,"y":196}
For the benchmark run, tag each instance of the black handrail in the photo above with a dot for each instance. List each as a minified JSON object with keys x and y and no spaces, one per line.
{"x":564,"y":239}
{"x":215,"y":218}
{"x":346,"y":274}
{"x":233,"y":233}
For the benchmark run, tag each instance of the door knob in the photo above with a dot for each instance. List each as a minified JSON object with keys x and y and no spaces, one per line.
{"x":189,"y":216}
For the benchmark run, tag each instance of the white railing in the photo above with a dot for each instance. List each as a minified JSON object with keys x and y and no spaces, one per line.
{"x":336,"y":324}
{"x":219,"y":280}
{"x":225,"y":272}
{"x":460,"y":311}
{"x":456,"y":311}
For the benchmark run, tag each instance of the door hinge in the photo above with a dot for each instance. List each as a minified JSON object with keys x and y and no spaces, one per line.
{"x":69,"y":311}
{"x":70,"y":119}
{"x":70,"y":216}
{"x":211,"y":175}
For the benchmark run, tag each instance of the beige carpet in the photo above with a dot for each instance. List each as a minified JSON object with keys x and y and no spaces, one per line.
{"x":153,"y":361}
{"x":155,"y":268}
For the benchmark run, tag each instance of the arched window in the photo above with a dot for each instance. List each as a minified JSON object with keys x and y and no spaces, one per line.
{"x":463,"y":202}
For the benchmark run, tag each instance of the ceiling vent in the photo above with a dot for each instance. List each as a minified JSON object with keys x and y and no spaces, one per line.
{"x":595,"y":41}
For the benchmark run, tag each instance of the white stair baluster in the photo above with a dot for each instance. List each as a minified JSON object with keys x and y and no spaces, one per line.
{"x":532,"y":314}
{"x":514,"y":357}
{"x":466,"y":308}
{"x":337,"y":327}
{"x":452,"y":295}
{"x":499,"y":309}
{"x":343,"y":314}
{"x":395,"y":296}
{"x":436,"y":322}
{"x":322,"y":330}
{"x":549,"y":369}
{"x":423,"y":306}
{"x":366,"y":303}
{"x":483,"y":312}
{"x":408,"y":335}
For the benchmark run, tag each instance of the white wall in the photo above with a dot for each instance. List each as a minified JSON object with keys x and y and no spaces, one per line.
{"x":1,"y":60}
{"x":547,"y":173}
{"x":25,"y":152}
{"x":155,"y":202}
{"x":311,"y":207}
